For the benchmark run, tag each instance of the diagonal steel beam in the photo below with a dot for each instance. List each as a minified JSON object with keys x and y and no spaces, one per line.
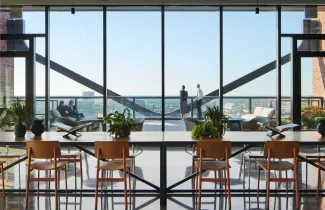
{"x":242,"y":81}
{"x":72,"y":75}
{"x":94,"y":86}
{"x":251,"y":76}
{"x":21,"y":45}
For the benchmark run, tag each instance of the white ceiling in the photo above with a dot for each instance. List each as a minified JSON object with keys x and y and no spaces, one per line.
{"x":159,"y":2}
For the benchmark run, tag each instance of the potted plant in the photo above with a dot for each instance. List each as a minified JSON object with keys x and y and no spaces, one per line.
{"x":215,"y":115}
{"x":206,"y":130}
{"x":214,"y":125}
{"x":120,"y":124}
{"x":16,"y":114}
{"x":310,"y":116}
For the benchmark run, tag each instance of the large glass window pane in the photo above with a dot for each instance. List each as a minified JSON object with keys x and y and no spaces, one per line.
{"x":21,"y":20}
{"x":191,"y":58}
{"x":134,"y":64}
{"x":134,"y":74}
{"x":292,"y":23}
{"x":77,"y":52}
{"x":249,"y":80}
{"x":304,"y":20}
{"x":34,"y":23}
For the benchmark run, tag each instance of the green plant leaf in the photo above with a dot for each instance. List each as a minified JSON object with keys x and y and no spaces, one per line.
{"x":117,"y":122}
{"x":16,"y":113}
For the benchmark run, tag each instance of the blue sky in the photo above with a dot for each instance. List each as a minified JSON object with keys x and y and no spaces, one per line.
{"x":191,"y":51}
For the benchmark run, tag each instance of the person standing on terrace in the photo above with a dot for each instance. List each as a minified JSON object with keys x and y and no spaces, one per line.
{"x":183,"y":102}
{"x":199,"y":96}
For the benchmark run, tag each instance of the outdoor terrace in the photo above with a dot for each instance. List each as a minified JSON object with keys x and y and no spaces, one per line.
{"x":149,"y":107}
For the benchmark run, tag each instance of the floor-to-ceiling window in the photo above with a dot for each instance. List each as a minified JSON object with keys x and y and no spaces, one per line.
{"x":191,"y":57}
{"x":76,"y":50}
{"x":21,"y":20}
{"x":134,"y":63}
{"x":34,"y":23}
{"x":304,"y":20}
{"x":249,"y":61}
{"x":292,"y":23}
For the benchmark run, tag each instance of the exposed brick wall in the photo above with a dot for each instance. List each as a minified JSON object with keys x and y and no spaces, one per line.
{"x":6,"y":64}
{"x":319,"y":63}
{"x":311,"y":26}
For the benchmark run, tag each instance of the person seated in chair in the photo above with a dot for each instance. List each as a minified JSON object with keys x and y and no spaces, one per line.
{"x":73,"y":112}
{"x":63,"y":109}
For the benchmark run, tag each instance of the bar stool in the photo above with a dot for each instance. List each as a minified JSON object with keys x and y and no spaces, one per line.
{"x":251,"y":155}
{"x":116,"y":155}
{"x":12,"y":156}
{"x":279,"y":150}
{"x":213,"y":150}
{"x":2,"y":177}
{"x":45,"y":150}
{"x":195,"y":157}
{"x":317,"y":158}
{"x":135,"y":152}
{"x":73,"y":157}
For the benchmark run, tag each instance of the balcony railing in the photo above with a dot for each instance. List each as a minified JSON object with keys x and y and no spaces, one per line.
{"x":150,"y":107}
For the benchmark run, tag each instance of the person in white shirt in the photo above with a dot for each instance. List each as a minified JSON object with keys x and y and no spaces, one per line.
{"x":199,"y":97}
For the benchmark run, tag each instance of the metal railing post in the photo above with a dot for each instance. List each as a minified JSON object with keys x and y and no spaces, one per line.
{"x":133,"y":100}
{"x":191,"y":107}
{"x":250,"y":105}
{"x":76,"y":103}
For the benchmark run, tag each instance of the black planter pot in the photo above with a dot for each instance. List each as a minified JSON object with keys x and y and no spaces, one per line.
{"x":37,"y":127}
{"x":321,"y":127}
{"x":20,"y":130}
{"x":206,"y":134}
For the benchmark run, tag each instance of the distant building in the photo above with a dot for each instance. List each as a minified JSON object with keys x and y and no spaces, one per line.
{"x":88,"y":94}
